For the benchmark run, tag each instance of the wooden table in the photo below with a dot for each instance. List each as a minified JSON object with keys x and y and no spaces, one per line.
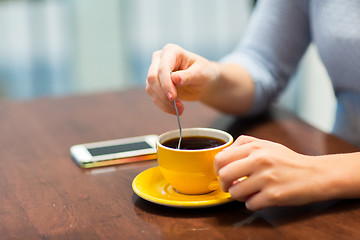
{"x":45,"y":195}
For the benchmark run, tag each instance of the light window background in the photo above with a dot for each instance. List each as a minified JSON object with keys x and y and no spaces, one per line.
{"x":65,"y":47}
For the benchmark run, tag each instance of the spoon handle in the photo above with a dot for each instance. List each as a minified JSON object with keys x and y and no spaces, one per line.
{"x":178,"y":119}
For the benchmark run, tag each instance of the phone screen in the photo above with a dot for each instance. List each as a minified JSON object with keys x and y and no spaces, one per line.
{"x":117,"y":151}
{"x":118,"y":148}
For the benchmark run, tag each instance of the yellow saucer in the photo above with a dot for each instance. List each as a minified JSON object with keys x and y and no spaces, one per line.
{"x":150,"y":185}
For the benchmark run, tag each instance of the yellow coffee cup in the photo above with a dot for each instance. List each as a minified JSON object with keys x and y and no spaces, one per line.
{"x":191,"y":171}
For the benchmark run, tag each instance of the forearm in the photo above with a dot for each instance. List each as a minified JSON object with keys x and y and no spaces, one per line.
{"x":232,"y":92}
{"x":341,"y":175}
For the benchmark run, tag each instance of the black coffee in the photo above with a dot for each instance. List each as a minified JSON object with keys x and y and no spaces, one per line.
{"x":194,"y":143}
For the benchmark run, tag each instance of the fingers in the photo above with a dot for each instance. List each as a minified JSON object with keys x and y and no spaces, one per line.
{"x":167,"y":64}
{"x":159,"y":84}
{"x":176,"y":73}
{"x":256,"y":201}
{"x":238,"y":150}
{"x":232,"y":172}
{"x":262,"y":173}
{"x":248,"y":189}
{"x":245,"y":188}
{"x":235,"y":162}
{"x":176,"y":78}
{"x":240,"y":173}
{"x":162,"y":102}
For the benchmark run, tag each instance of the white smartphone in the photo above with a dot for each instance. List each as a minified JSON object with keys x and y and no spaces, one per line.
{"x":113,"y":152}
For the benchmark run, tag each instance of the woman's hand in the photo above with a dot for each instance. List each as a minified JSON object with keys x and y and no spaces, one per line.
{"x":278,"y":176}
{"x":175,"y":73}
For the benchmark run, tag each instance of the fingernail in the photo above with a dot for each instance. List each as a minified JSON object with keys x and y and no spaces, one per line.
{"x":170,"y":96}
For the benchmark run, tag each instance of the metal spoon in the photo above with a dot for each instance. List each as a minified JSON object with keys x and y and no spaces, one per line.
{"x":178,"y":118}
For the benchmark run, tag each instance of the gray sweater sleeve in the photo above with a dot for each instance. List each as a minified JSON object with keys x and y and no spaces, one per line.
{"x":277,"y":37}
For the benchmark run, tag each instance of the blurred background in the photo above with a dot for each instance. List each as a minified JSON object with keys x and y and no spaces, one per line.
{"x":51,"y":48}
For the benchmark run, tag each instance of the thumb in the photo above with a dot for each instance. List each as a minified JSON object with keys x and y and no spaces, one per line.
{"x":181,"y":78}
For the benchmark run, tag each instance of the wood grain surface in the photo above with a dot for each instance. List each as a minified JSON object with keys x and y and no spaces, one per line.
{"x":45,"y":195}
